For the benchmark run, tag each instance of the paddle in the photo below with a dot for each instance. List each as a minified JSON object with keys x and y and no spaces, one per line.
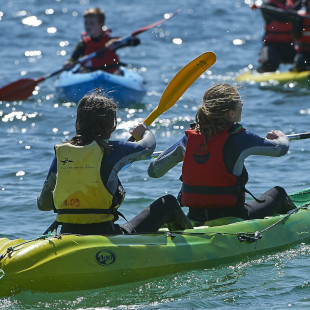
{"x":299,"y":136}
{"x":23,"y":88}
{"x":179,"y":84}
{"x":166,"y":17}
{"x":296,"y":136}
{"x":290,"y":14}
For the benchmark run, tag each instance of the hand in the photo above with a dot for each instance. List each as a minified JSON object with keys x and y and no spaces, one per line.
{"x":68,"y":65}
{"x":275,"y":134}
{"x":133,"y":42}
{"x":138,"y":131}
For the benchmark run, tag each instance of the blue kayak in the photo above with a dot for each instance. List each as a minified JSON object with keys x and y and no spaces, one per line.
{"x":124,"y":89}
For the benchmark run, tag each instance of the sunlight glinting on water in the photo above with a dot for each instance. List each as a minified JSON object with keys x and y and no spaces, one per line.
{"x":46,"y":33}
{"x":31,"y":21}
{"x":18,"y":115}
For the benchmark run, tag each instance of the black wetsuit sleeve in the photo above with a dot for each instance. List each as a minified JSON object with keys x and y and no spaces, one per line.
{"x":78,"y":51}
{"x":122,"y":154}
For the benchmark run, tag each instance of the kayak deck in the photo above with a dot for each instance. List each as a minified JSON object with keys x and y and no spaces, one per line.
{"x":63,"y":263}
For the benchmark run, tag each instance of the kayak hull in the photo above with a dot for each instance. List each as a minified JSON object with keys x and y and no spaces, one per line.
{"x":70,"y":262}
{"x":124,"y":89}
{"x":277,"y":77}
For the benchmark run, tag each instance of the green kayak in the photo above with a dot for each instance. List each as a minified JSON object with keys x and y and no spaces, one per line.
{"x":62,"y":263}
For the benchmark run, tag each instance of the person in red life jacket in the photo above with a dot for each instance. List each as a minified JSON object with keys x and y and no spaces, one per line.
{"x":96,"y":37}
{"x":301,"y":32}
{"x":278,"y":42}
{"x":213,"y":151}
{"x":83,"y":187}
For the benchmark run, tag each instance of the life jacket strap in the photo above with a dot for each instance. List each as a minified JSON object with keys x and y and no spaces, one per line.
{"x":205,"y":190}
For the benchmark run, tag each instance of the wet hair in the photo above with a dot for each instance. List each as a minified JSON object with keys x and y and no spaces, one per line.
{"x":95,"y":120}
{"x":212,"y":116}
{"x":97,"y":13}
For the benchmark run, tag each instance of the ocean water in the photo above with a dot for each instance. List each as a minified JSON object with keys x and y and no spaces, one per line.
{"x":38,"y":36}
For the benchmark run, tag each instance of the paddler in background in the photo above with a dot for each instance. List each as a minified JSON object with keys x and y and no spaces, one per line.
{"x":278,"y":42}
{"x":83,"y":187}
{"x":301,"y":32}
{"x":213,"y":152}
{"x":95,"y":37}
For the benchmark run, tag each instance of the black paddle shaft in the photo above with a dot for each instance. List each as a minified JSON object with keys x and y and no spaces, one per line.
{"x":299,"y":136}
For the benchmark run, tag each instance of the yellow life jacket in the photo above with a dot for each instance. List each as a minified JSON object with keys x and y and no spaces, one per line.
{"x":80,"y":196}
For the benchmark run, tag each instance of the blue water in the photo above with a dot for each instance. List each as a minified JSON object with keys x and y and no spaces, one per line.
{"x":38,"y":36}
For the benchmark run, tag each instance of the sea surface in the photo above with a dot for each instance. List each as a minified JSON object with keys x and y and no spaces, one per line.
{"x":38,"y":36}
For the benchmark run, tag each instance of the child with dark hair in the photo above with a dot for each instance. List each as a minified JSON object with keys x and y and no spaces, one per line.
{"x":82,"y":185}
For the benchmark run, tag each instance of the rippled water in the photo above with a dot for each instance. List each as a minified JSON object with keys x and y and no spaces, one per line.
{"x":38,"y":36}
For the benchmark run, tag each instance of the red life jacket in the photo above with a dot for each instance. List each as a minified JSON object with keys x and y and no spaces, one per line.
{"x":109,"y":59}
{"x":206,"y":181}
{"x":303,"y":44}
{"x":278,"y":32}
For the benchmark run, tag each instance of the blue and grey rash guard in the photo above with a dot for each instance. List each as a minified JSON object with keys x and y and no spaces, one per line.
{"x":121,"y":154}
{"x":236,"y":149}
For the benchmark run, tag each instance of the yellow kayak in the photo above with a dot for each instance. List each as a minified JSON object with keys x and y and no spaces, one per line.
{"x":63,"y":263}
{"x":280,"y":77}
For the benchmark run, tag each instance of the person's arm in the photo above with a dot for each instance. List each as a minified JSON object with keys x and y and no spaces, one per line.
{"x":45,"y":200}
{"x":247,"y":143}
{"x":280,"y":142}
{"x":124,"y":153}
{"x":131,"y":42}
{"x":168,"y":159}
{"x":77,"y":53}
{"x":145,"y":139}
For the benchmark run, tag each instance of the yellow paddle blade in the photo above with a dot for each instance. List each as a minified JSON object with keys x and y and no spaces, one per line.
{"x":180,"y":83}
